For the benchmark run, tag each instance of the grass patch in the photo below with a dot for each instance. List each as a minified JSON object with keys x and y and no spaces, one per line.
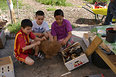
{"x":14,"y":28}
{"x":4,"y":5}
{"x":54,"y":2}
{"x":50,"y":9}
{"x":93,"y":30}
{"x":93,"y":1}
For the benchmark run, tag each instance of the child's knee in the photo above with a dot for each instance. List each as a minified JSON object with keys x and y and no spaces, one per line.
{"x":31,"y":62}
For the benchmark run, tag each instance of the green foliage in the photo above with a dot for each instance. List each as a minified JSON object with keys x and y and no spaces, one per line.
{"x":50,"y":9}
{"x":93,"y":1}
{"x":93,"y":30}
{"x":14,"y":28}
{"x":4,"y":5}
{"x":54,"y":2}
{"x":73,"y":26}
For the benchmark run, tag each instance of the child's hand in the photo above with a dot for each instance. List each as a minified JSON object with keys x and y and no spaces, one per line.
{"x":38,"y":43}
{"x":63,"y":42}
{"x":44,"y":38}
{"x":40,"y":34}
{"x":46,"y":35}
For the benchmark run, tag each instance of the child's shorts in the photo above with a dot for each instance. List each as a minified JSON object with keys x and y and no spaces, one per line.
{"x":23,"y":56}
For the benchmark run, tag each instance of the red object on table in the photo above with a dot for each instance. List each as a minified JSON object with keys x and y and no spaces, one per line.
{"x":99,"y":4}
{"x":109,"y":28}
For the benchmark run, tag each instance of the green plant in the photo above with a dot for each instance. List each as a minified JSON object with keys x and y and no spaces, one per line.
{"x":14,"y":28}
{"x":73,"y":26}
{"x":54,"y":2}
{"x":93,"y":1}
{"x":50,"y":9}
{"x":4,"y":5}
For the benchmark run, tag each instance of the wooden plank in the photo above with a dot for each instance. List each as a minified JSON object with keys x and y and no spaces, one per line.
{"x":106,"y":59}
{"x":112,"y":58}
{"x":93,"y":46}
{"x":103,"y":45}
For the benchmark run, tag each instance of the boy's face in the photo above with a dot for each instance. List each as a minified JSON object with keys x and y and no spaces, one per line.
{"x":59,"y":19}
{"x":27,"y":30}
{"x":39,"y":19}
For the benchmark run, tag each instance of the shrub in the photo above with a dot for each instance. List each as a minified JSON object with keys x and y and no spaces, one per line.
{"x":14,"y":28}
{"x":54,"y":2}
{"x":93,"y":1}
{"x":50,"y":9}
{"x":4,"y":5}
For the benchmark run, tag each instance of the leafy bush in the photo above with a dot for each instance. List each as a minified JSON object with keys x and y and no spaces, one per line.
{"x":93,"y":1}
{"x":51,"y":9}
{"x":4,"y":5}
{"x":14,"y":28}
{"x":54,"y":2}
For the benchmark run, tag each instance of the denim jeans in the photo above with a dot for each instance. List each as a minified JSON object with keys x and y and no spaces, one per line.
{"x":110,"y":15}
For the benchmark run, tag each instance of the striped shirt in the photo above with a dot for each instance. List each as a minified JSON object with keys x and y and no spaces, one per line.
{"x":21,"y":40}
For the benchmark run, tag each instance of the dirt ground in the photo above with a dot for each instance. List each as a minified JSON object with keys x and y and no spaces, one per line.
{"x":76,"y":15}
{"x":55,"y":67}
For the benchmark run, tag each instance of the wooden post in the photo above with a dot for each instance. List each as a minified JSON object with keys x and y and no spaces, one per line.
{"x":18,"y":9}
{"x":10,"y":4}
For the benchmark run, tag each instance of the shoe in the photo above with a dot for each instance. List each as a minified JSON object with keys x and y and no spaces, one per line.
{"x":20,"y":62}
{"x":39,"y":56}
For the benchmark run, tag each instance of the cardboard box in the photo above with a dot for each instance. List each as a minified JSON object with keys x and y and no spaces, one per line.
{"x":2,"y":39}
{"x":76,"y":61}
{"x":6,"y":67}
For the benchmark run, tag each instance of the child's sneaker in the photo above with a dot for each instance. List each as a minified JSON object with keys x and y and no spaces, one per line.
{"x":40,"y":55}
{"x":20,"y":62}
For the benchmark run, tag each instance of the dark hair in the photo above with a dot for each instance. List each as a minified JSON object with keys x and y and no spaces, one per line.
{"x":39,"y":13}
{"x":58,"y":12}
{"x":26,"y":23}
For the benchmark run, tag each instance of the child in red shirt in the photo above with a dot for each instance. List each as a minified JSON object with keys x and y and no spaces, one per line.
{"x":22,"y":45}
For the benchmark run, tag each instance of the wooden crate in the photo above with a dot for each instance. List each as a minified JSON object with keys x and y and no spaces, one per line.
{"x":2,"y":39}
{"x":77,"y":61}
{"x":6,"y":67}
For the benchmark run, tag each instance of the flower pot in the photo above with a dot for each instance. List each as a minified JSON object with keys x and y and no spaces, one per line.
{"x":111,"y":36}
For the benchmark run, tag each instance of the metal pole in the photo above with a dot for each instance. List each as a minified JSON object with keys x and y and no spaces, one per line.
{"x":10,"y":4}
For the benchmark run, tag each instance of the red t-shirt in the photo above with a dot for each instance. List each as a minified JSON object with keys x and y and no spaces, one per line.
{"x":21,"y":40}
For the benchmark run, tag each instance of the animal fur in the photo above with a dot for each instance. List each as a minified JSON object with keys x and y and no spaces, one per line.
{"x":50,"y":48}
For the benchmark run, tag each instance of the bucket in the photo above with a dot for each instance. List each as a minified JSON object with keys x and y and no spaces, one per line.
{"x":110,"y":35}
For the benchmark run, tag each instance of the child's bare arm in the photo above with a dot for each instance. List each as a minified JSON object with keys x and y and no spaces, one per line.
{"x":31,"y":46}
{"x":55,"y":38}
{"x":39,"y":39}
{"x":67,"y":38}
{"x":38,"y":34}
{"x":49,"y":35}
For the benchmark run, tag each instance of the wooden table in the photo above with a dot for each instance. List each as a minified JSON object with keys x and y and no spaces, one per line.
{"x":110,"y":60}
